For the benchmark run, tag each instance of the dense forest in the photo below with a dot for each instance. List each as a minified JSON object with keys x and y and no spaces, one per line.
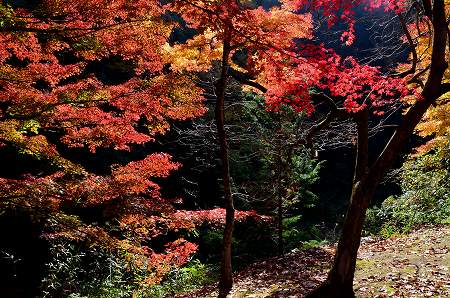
{"x":224,"y":148}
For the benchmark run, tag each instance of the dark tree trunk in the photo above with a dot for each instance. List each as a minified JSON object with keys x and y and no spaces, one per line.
{"x":280,"y":225}
{"x":226,"y":274}
{"x":340,"y":279}
{"x":280,"y":168}
{"x":280,"y":209}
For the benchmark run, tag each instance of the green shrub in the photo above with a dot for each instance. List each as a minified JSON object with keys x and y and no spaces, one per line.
{"x":185,"y":279}
{"x":313,"y":244}
{"x":76,"y":271}
{"x":425,"y":198}
{"x":80,"y":272}
{"x":298,"y":236}
{"x":252,"y":240}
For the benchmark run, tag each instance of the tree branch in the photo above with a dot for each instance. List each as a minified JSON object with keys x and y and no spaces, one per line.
{"x":445,"y":88}
{"x":411,"y":45}
{"x":433,"y":90}
{"x":244,"y":79}
{"x":335,"y":113}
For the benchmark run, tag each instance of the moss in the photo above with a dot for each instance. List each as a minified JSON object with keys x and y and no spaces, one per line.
{"x":365,"y":264}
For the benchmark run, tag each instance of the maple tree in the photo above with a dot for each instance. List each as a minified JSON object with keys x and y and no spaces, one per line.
{"x":52,"y":101}
{"x":423,"y":176}
{"x":359,"y":93}
{"x":223,"y":29}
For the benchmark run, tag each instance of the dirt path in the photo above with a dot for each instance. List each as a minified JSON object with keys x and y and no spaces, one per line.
{"x":413,"y":266}
{"x":416,"y":265}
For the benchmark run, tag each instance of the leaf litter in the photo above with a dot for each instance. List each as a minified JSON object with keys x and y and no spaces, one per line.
{"x":415,"y":265}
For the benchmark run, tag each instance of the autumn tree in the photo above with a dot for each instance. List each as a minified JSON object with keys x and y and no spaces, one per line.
{"x":435,"y":125}
{"x":223,"y":29}
{"x":423,"y":176}
{"x":54,"y":102}
{"x":360,"y":96}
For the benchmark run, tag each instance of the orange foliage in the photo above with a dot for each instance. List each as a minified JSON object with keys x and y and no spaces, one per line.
{"x":51,"y":100}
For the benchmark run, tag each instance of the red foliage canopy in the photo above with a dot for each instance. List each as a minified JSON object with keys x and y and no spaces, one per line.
{"x":51,"y":100}
{"x":280,"y":54}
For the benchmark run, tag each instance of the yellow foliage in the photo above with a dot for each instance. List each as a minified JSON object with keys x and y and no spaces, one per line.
{"x":17,"y":133}
{"x":196,"y":54}
{"x":436,"y":122}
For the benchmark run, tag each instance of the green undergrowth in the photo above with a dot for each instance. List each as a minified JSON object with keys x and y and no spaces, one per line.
{"x":192,"y":276}
{"x":425,"y":198}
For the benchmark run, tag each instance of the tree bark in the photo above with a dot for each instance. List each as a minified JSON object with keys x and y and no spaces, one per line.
{"x":340,"y":278}
{"x":280,"y":171}
{"x":226,"y":274}
{"x":280,"y":224}
{"x":279,"y":193}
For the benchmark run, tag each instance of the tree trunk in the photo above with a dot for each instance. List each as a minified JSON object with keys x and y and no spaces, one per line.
{"x":226,"y":274}
{"x":340,"y":279}
{"x":280,"y":213}
{"x":280,"y":167}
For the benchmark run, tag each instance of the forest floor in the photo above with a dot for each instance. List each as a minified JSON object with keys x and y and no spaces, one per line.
{"x":415,"y":265}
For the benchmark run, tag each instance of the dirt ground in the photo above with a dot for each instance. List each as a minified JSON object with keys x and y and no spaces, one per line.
{"x":416,"y":265}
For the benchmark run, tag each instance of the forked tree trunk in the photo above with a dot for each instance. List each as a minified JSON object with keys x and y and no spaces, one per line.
{"x":339,"y":283}
{"x":226,"y":274}
{"x":340,"y":279}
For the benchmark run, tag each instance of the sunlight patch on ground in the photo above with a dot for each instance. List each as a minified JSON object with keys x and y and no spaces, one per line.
{"x":416,"y":265}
